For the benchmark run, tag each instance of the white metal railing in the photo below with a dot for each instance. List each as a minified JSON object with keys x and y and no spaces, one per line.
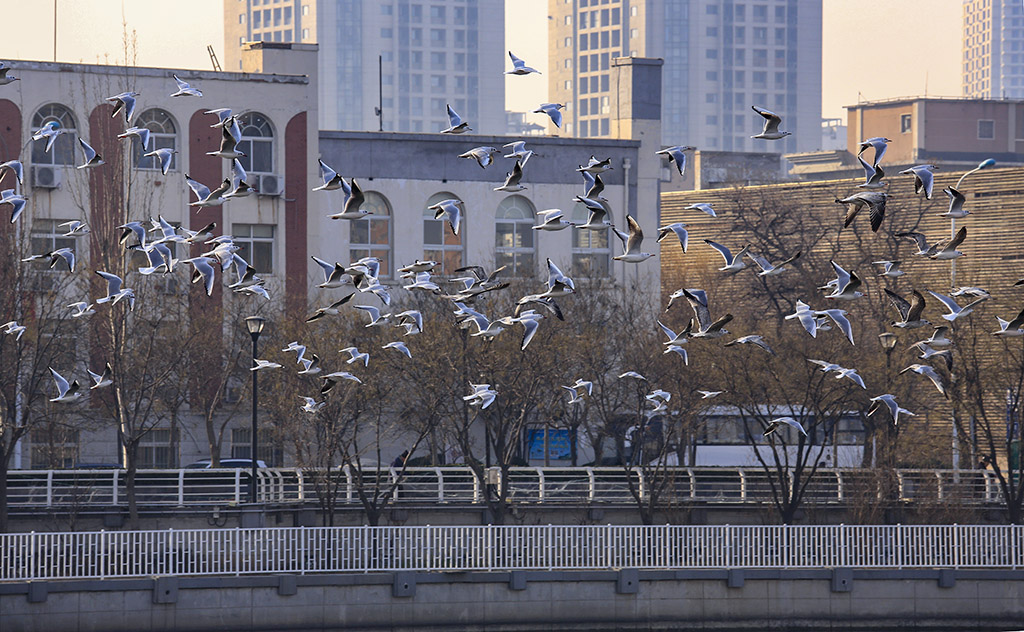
{"x":458,"y":485}
{"x":113,"y":554}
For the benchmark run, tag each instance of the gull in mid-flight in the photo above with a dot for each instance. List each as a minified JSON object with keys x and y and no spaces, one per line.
{"x":551,"y":220}
{"x":709,"y":394}
{"x":845,"y":285}
{"x":184,"y":89}
{"x":17,"y":202}
{"x":13,"y":329}
{"x":955,"y":311}
{"x":698,"y":301}
{"x":264,"y":364}
{"x":771,"y":125}
{"x":956,"y":204}
{"x":142,"y":133}
{"x":752,"y":339}
{"x":519,"y":67}
{"x":733,"y":264}
{"x":398,"y":346}
{"x":331,"y":180}
{"x":879,"y":143}
{"x":923,"y":178}
{"x":482,"y":155}
{"x":310,"y":405}
{"x":82,"y":308}
{"x":702,"y":207}
{"x":205,"y":197}
{"x":101,"y":380}
{"x":450,"y":210}
{"x":164,"y":156}
{"x":483,"y":395}
{"x":675,"y":154}
{"x":553,"y":110}
{"x":632,"y":243}
{"x":455,"y":123}
{"x":124,"y":101}
{"x":890,"y":268}
{"x":355,"y":356}
{"x":947,"y":249}
{"x":889,"y":402}
{"x":6,"y":78}
{"x":1011,"y":327}
{"x":230,"y":136}
{"x":15,"y":167}
{"x":92,"y":159}
{"x":910,"y":311}
{"x":930,"y":373}
{"x":767,"y":268}
{"x":777,"y":423}
{"x":873,"y":175}
{"x":679,"y":229}
{"x":517,"y":149}
{"x":875,"y":201}
{"x":65,"y":392}
{"x":512,"y":179}
{"x":114,"y":290}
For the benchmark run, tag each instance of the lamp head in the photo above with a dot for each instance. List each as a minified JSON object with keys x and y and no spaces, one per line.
{"x":888,"y":341}
{"x":255,"y":324}
{"x":988,"y":162}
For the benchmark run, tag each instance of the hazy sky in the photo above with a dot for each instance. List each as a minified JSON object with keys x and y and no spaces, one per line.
{"x":879,"y":48}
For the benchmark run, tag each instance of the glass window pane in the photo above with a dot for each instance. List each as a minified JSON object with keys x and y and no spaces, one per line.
{"x":263,"y":230}
{"x":432,"y":232}
{"x":359,"y":231}
{"x":262,"y":258}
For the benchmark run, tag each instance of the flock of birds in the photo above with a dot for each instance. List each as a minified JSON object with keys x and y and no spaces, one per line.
{"x":361,"y":277}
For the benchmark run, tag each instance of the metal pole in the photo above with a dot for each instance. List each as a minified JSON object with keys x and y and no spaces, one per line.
{"x":55,"y":31}
{"x":380,"y":93}
{"x":255,"y":401}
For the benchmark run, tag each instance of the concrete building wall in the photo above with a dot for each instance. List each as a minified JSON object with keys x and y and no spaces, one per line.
{"x":719,"y":599}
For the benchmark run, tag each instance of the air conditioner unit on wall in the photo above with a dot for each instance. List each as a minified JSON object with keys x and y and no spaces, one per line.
{"x":47,"y":177}
{"x":271,"y":185}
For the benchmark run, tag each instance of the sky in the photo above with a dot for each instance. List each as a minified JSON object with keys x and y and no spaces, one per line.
{"x":872,"y":48}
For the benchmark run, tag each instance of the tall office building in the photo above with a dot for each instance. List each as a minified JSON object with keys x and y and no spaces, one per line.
{"x":427,"y":54}
{"x":721,"y":57}
{"x":993,"y":49}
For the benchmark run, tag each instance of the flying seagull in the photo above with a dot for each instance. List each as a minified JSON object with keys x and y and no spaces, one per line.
{"x":879,"y":143}
{"x":875,"y":201}
{"x":184,"y":89}
{"x":455,"y":123}
{"x":873,"y":175}
{"x":124,"y":101}
{"x":679,"y":229}
{"x":889,"y":402}
{"x":553,"y":110}
{"x":482,"y":155}
{"x":771,"y":125}
{"x":632,"y":243}
{"x":519,"y":67}
{"x":930,"y":373}
{"x":65,"y":392}
{"x":733,"y":264}
{"x":777,"y":423}
{"x":92,"y":159}
{"x":910,"y":311}
{"x":955,"y":311}
{"x":923,"y":178}
{"x":675,"y":154}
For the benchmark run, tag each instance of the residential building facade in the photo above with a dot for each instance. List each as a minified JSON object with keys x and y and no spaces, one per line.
{"x":993,"y":49}
{"x":721,"y":57}
{"x":409,"y":59}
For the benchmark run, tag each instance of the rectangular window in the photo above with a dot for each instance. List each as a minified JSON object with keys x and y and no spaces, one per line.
{"x":287,"y":15}
{"x":277,"y":17}
{"x":385,"y":33}
{"x":616,"y":36}
{"x":256,"y":245}
{"x":54,"y":447}
{"x":711,"y":53}
{"x":711,"y":31}
{"x":604,"y":83}
{"x":437,"y":14}
{"x":241,"y":447}
{"x":437,"y":37}
{"x":760,"y":58}
{"x":584,"y":64}
{"x":158,"y":450}
{"x":986,"y":130}
{"x":437,"y":61}
{"x":584,"y":110}
{"x":305,"y":9}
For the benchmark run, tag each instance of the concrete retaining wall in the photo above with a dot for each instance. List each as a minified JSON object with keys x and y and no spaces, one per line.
{"x":820,"y":599}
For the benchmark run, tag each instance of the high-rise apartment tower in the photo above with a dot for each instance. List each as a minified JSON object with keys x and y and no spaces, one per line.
{"x":408,"y":57}
{"x":993,"y":49}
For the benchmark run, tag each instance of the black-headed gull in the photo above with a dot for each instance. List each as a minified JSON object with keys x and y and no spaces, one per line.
{"x":632,"y":243}
{"x":519,"y":67}
{"x":705,"y":327}
{"x":12,"y":328}
{"x":333,"y":379}
{"x":400,"y":347}
{"x":923,"y":178}
{"x":956,"y":204}
{"x":771,"y":125}
{"x":15,"y":167}
{"x":353,"y":208}
{"x":142,"y":133}
{"x":553,"y":110}
{"x":930,"y":373}
{"x":230,"y":136}
{"x":264,"y":364}
{"x":331,"y":180}
{"x":5,"y":76}
{"x":17,"y":202}
{"x":451,"y":210}
{"x":595,"y":166}
{"x":552,"y":220}
{"x":66,"y":393}
{"x":889,"y":402}
{"x":517,"y":149}
{"x":92,"y":159}
{"x":910,"y":311}
{"x":512,"y":180}
{"x":845,"y":286}
{"x":185,"y":89}
{"x":873,"y":175}
{"x":50,"y":131}
{"x":164,"y":155}
{"x":355,"y":356}
{"x":482,"y":155}
{"x":879,"y":143}
{"x":889,"y":268}
{"x":82,"y":309}
{"x":310,"y":405}
{"x":114,"y":290}
{"x":206,"y":197}
{"x":947,"y":249}
{"x":1011,"y":327}
{"x":703,"y":207}
{"x":768,"y":268}
{"x":676,"y":154}
{"x":455,"y":123}
{"x":75,"y":228}
{"x":124,"y":101}
{"x":875,"y":201}
{"x":777,"y":423}
{"x":101,"y":380}
{"x":733,"y":263}
{"x":483,"y":395}
{"x":679,"y":230}
{"x":751,"y":339}
{"x":955,"y":311}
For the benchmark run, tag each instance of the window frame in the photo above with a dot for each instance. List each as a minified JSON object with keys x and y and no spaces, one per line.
{"x":375,"y":201}
{"x":522,"y":260}
{"x":159,"y":139}
{"x":449,"y":243}
{"x":247,"y":121}
{"x":66,"y":149}
{"x":246,"y":245}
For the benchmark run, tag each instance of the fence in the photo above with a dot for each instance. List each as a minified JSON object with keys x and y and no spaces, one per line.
{"x":102,"y":555}
{"x":30,"y":489}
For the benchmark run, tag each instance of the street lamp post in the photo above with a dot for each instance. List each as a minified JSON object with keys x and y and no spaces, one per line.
{"x":888,"y":341}
{"x":254,"y":324}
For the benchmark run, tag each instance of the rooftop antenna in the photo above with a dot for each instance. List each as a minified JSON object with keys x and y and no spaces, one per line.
{"x":213,"y":58}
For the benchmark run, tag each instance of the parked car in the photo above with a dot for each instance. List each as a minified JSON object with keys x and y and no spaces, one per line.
{"x":226,"y":464}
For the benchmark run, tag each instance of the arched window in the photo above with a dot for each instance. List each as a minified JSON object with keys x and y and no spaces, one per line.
{"x":257,"y":143}
{"x":591,"y":253}
{"x":371,"y":235}
{"x":162,"y":134}
{"x":63,"y":151}
{"x":513,"y":236}
{"x":439,"y":244}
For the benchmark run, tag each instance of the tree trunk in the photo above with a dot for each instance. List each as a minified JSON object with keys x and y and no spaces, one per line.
{"x":3,"y":492}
